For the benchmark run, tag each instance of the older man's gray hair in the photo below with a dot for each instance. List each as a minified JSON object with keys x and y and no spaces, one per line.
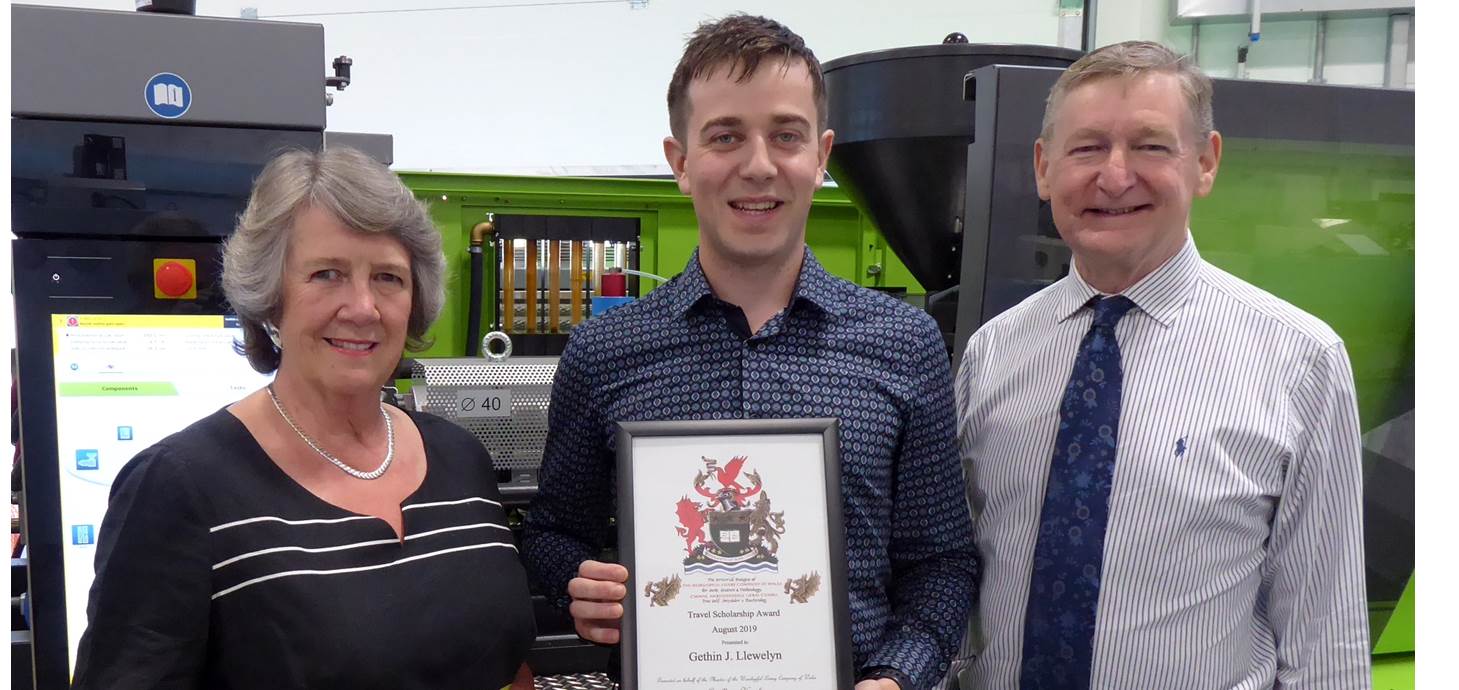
{"x":1133,"y":59}
{"x":362,"y":194}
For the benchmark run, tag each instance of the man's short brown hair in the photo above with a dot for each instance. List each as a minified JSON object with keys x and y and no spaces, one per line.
{"x":739,"y":42}
{"x":1133,"y":59}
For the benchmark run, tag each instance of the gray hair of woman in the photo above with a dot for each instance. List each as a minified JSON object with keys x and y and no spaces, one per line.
{"x":361,"y":193}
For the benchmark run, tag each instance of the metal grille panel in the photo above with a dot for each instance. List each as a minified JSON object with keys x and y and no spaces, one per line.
{"x":575,"y":681}
{"x":516,"y":442}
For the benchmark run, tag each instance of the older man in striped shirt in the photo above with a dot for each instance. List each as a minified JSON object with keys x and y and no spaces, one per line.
{"x":1162,"y":460}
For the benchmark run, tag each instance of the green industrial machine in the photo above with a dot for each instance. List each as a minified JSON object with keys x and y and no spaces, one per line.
{"x":1329,"y":227}
{"x":843,"y":238}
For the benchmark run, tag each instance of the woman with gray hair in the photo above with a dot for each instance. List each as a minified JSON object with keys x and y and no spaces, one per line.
{"x":308,"y":536}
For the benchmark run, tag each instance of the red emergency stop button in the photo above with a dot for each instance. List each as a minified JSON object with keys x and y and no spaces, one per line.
{"x":174,"y":279}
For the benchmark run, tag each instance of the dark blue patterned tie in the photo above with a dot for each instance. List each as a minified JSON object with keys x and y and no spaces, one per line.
{"x":1058,"y":633}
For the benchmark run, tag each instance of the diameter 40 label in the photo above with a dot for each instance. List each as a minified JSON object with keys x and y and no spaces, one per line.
{"x":483,"y":402}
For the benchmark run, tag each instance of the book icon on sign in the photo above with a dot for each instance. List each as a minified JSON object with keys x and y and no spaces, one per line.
{"x":167,"y":94}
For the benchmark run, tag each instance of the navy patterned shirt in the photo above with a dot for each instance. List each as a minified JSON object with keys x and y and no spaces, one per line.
{"x":837,"y":350}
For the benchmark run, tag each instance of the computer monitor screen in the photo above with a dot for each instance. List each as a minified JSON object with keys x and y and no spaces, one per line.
{"x":123,"y":383}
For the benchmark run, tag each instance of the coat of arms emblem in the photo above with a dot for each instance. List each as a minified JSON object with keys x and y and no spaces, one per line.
{"x":734,"y":530}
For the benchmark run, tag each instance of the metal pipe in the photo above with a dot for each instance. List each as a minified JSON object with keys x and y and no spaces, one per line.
{"x":1196,"y":43}
{"x":473,"y":305}
{"x":541,"y":287}
{"x":1400,"y":43}
{"x":632,"y":265}
{"x":496,"y":282}
{"x":1091,"y":10}
{"x":554,"y":282}
{"x":1319,"y":52}
{"x":509,"y":286}
{"x":575,"y":280}
{"x":1255,"y":34}
{"x":1071,"y":24}
{"x":599,"y":249}
{"x":531,"y":286}
{"x":473,"y":301}
{"x":644,"y":274}
{"x":480,"y":231}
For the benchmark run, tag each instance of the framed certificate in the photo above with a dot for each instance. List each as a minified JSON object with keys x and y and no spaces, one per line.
{"x":731,"y":531}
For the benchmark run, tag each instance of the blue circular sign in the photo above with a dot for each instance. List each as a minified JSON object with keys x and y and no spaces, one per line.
{"x":167,"y":95}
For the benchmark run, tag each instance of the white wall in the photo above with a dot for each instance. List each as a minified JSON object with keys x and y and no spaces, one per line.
{"x":584,"y":85}
{"x":573,"y":88}
{"x":561,"y":87}
{"x":1357,"y":48}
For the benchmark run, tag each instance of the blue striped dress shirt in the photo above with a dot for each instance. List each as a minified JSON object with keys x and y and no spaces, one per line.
{"x":1234,"y":553}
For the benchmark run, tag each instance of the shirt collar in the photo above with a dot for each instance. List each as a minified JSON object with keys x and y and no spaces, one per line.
{"x":813,"y":285}
{"x":1160,"y":294}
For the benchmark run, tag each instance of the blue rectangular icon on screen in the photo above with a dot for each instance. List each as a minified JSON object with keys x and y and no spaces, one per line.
{"x":83,"y":535}
{"x":88,"y":459}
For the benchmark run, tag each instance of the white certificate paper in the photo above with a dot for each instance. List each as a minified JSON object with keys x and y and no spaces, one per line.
{"x":732,"y":568}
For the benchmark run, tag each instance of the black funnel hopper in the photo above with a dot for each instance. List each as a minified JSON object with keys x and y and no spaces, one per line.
{"x":902,"y":134}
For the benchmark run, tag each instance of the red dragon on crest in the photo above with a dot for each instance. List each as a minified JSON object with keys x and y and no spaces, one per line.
{"x":731,"y":494}
{"x":691,"y":521}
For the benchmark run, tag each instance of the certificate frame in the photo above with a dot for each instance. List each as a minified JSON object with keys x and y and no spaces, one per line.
{"x":735,"y":516}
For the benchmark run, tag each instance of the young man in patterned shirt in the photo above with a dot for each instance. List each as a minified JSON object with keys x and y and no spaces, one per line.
{"x":755,"y":328}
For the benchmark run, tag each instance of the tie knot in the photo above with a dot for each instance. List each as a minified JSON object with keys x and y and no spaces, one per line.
{"x":1109,"y":310}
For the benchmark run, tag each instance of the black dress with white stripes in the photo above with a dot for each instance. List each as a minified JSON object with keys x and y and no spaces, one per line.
{"x":215,"y":569}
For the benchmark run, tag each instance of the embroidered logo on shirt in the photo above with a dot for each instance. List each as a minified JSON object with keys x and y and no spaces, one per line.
{"x":1180,"y":447}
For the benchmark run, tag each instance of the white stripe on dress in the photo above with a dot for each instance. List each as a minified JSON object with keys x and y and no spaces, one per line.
{"x":270,"y":518}
{"x":378,"y":566}
{"x":332,"y":521}
{"x":437,"y":504}
{"x":361,"y":544}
